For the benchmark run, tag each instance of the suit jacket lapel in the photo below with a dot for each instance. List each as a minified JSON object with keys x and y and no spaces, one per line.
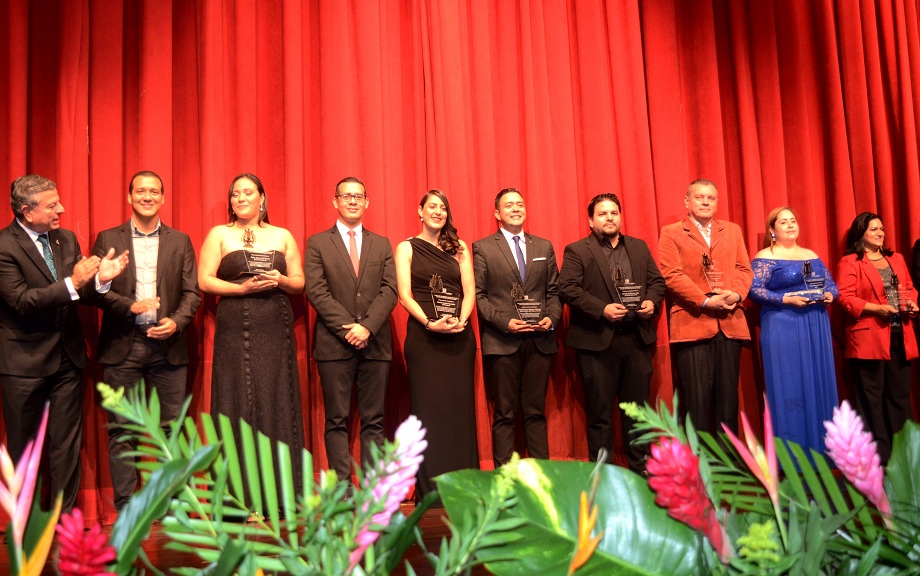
{"x":343,"y":251}
{"x":126,"y":242}
{"x":29,"y":247}
{"x":365,"y":252}
{"x":874,"y":278}
{"x":601,"y":259}
{"x":163,"y":253}
{"x":694,"y":233}
{"x":505,"y":249}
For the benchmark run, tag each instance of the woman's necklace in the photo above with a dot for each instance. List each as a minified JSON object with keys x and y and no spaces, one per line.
{"x":248,"y":238}
{"x":871,"y":259}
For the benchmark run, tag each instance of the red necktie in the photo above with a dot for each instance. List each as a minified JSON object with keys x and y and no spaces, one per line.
{"x":353,"y":250}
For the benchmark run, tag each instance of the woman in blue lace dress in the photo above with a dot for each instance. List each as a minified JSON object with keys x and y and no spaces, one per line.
{"x":793,"y":287}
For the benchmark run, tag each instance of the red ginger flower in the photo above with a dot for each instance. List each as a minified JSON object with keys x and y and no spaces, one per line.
{"x":82,"y":553}
{"x":674,"y":475}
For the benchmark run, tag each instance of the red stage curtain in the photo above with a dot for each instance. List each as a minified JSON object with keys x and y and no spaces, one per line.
{"x":810,"y":104}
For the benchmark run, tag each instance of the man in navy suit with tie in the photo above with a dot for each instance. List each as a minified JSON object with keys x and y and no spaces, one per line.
{"x":516,"y":275}
{"x":351,"y":282}
{"x":42,"y":353}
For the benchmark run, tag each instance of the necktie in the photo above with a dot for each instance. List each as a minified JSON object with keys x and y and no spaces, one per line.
{"x":519,"y":254}
{"x":46,"y":254}
{"x":353,"y":250}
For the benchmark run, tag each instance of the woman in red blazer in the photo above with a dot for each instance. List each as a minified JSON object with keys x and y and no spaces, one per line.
{"x":880,"y":299}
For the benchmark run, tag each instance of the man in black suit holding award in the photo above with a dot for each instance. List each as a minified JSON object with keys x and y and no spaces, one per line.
{"x":613,"y":288}
{"x":42,"y":353}
{"x":518,"y":305}
{"x":145,"y":316}
{"x":351,"y":282}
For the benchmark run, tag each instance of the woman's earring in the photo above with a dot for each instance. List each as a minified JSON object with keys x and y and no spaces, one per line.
{"x":262,"y":208}
{"x":421,"y":219}
{"x":772,"y":236}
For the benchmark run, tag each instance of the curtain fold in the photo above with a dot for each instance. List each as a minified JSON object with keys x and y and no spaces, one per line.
{"x":780,"y":102}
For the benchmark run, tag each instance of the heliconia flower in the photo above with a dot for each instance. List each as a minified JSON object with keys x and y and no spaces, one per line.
{"x":392,"y":483}
{"x":854,"y":453}
{"x":585,"y":545}
{"x":18,"y":485}
{"x":674,"y":475}
{"x":82,"y":553}
{"x":761,"y":463}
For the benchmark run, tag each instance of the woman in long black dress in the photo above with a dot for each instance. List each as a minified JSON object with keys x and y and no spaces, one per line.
{"x":440,"y":348}
{"x":254,"y":374}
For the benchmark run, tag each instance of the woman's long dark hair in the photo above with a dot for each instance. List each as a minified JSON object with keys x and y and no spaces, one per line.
{"x":854,"y":242}
{"x":263,"y":214}
{"x":448,"y":240}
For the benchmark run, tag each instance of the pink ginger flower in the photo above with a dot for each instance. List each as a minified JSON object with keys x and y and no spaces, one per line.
{"x":83,"y":553}
{"x":854,"y":453}
{"x":392,"y":484}
{"x":674,"y":475}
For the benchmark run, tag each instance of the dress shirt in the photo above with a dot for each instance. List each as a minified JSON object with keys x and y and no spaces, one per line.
{"x":343,"y":231}
{"x":509,"y":237}
{"x":146,"y":250}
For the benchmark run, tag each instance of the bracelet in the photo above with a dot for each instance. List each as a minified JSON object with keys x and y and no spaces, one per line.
{"x":427,"y":322}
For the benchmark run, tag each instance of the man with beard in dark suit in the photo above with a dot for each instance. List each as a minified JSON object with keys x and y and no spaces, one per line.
{"x":42,"y":353}
{"x":613,"y":288}
{"x":516,"y":274}
{"x":351,"y":282}
{"x":145,"y":316}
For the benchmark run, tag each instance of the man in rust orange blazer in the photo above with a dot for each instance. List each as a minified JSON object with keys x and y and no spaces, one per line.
{"x":708,"y":273}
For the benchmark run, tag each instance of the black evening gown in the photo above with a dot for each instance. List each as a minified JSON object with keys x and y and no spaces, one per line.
{"x":440,"y":368}
{"x":255,"y":376}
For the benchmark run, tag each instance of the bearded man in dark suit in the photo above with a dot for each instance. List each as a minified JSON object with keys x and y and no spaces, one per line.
{"x":515,"y":270}
{"x":145,"y":316}
{"x":614,"y":289}
{"x":351,"y":282}
{"x":42,"y":353}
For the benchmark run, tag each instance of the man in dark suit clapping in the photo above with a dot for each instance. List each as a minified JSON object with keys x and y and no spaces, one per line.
{"x":613,"y":288}
{"x":351,"y":282}
{"x":42,"y":353}
{"x":518,"y":307}
{"x":145,"y":316}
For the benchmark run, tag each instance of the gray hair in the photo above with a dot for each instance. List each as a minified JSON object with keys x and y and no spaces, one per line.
{"x":24,"y":189}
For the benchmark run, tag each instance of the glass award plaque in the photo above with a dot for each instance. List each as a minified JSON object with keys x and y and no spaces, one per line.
{"x":714,"y":276}
{"x":258,"y":262}
{"x":528,"y":310}
{"x":901,"y":295}
{"x":629,"y":292}
{"x":814,"y":284}
{"x":445,"y":302}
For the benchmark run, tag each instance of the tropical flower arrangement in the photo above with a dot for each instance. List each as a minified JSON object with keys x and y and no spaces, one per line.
{"x":711,"y":505}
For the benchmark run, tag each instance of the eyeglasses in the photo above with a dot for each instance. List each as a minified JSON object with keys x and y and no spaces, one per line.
{"x":350,"y":197}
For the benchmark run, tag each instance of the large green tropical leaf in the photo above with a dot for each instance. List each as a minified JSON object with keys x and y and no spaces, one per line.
{"x":637,"y":532}
{"x":151,"y":502}
{"x":902,"y":482}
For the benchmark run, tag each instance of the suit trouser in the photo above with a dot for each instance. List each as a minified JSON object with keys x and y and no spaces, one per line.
{"x":23,"y":402}
{"x":338,"y":377}
{"x":883,"y":389}
{"x":708,"y":373}
{"x":621,"y":373}
{"x":146,"y":360}
{"x":520,"y":376}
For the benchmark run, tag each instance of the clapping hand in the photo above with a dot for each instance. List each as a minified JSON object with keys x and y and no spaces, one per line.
{"x":111,"y":266}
